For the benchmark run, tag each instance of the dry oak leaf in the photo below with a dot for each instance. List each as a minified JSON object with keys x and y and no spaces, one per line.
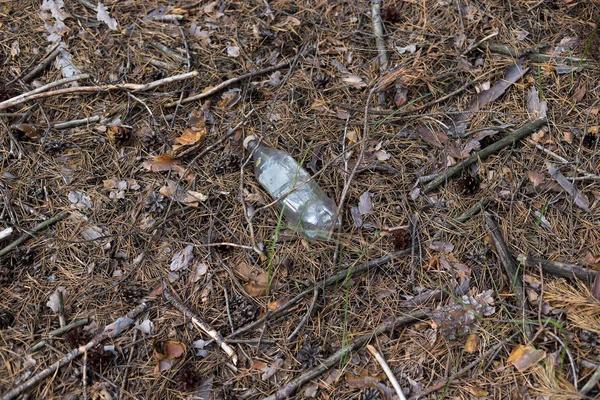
{"x":187,"y":197}
{"x":523,"y":357}
{"x":168,"y":353}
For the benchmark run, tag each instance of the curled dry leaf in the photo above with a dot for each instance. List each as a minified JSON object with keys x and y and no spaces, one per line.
{"x":523,"y":357}
{"x":536,"y":178}
{"x":353,"y":80}
{"x":187,"y":197}
{"x":54,"y":301}
{"x":578,"y":198}
{"x":535,"y":106}
{"x":257,"y":279}
{"x":182,"y":259}
{"x":161,"y":163}
{"x":168,"y":354}
{"x":104,"y":16}
{"x":436,"y":139}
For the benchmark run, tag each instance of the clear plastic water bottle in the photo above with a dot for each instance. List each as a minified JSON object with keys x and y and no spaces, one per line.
{"x":307,"y":208}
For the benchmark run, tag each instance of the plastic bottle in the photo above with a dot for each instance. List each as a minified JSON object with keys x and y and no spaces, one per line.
{"x":307,"y":208}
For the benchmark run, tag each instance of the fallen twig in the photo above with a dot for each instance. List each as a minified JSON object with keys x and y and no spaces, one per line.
{"x":76,"y":122}
{"x":57,"y":332}
{"x":381,"y":50}
{"x":558,"y":268}
{"x":510,"y":266}
{"x":339,"y":277}
{"x":334,"y":359}
{"x":44,"y":64}
{"x":229,"y":82}
{"x":306,"y":316}
{"x":35,"y":95}
{"x":387,"y":370}
{"x":514,"y":137}
{"x":40,"y":227}
{"x":119,"y":326}
{"x":14,"y":100}
{"x":203,"y":326}
{"x":592,"y":382}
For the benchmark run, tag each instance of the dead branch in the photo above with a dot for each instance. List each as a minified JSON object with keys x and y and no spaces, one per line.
{"x":510,"y":266}
{"x":76,"y":122}
{"x":388,"y":371}
{"x":37,"y":94}
{"x":229,"y":82}
{"x":16,"y":100}
{"x":511,"y":139}
{"x":339,"y":277}
{"x":381,"y":50}
{"x":44,"y":64}
{"x":203,"y":326}
{"x":40,"y":227}
{"x":556,"y":268}
{"x":592,"y":382}
{"x":120,"y":325}
{"x":334,"y":359}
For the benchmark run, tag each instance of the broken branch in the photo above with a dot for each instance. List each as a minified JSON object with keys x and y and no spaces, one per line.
{"x":514,"y":137}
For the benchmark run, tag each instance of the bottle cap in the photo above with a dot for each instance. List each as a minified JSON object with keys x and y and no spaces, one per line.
{"x":247,"y":141}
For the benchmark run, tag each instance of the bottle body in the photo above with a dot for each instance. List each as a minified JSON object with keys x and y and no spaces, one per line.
{"x":307,"y":208}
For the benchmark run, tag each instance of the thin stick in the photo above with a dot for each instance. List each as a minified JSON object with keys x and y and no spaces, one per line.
{"x":203,"y":326}
{"x":335,"y":359}
{"x":586,"y":175}
{"x":33,"y":95}
{"x":61,"y":308}
{"x":76,"y":122}
{"x":592,"y":382}
{"x":84,"y":377}
{"x":510,"y":266}
{"x":44,"y":64}
{"x":30,"y":233}
{"x":339,"y":277}
{"x":442,"y":383}
{"x":381,"y":50}
{"x":511,"y":139}
{"x":556,"y":268}
{"x":229,"y":82}
{"x":42,"y":89}
{"x":120,"y":325}
{"x":306,"y":316}
{"x":387,"y":370}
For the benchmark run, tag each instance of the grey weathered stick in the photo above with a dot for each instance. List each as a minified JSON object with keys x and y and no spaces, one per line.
{"x":76,"y":122}
{"x":196,"y":320}
{"x":126,"y":322}
{"x":514,"y":137}
{"x":334,"y":359}
{"x":558,"y":268}
{"x":43,"y":65}
{"x":17,"y":99}
{"x":33,"y":95}
{"x":509,"y":264}
{"x":229,"y":82}
{"x":381,"y":50}
{"x":339,"y":277}
{"x":36,"y":229}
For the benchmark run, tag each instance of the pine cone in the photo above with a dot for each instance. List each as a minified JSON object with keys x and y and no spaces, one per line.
{"x":187,"y":380}
{"x":321,"y":81}
{"x":468,"y":184}
{"x":589,"y":141}
{"x":120,"y":134}
{"x":242,"y":311}
{"x":391,"y":13}
{"x":369,"y":394}
{"x":96,"y":356}
{"x":6,"y":319}
{"x":309,"y":355}
{"x":401,"y":239}
{"x":130,"y":292}
{"x":229,"y":163}
{"x":6,"y":274}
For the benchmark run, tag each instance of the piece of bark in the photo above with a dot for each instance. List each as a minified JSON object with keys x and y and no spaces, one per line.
{"x":557,"y":268}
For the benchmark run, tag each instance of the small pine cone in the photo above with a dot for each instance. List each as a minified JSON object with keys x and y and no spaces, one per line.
{"x":229,"y":163}
{"x":6,"y":275}
{"x":321,"y":81}
{"x":468,"y":184}
{"x":120,"y":134}
{"x":391,"y":13}
{"x":78,"y":337}
{"x":369,"y":394}
{"x":6,"y":319}
{"x":242,"y":311}
{"x":24,"y":256}
{"x":187,"y":380}
{"x":130,"y":292}
{"x":401,"y":239}
{"x":589,"y":141}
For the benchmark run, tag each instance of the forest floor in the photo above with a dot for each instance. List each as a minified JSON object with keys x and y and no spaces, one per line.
{"x":141,"y":258}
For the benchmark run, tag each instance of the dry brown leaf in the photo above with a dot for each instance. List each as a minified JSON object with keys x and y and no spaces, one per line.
{"x":160,"y":163}
{"x":477,"y":392}
{"x":277,"y":304}
{"x":168,"y":354}
{"x":579,"y":198}
{"x":523,"y":357}
{"x":472,"y":344}
{"x":436,"y":139}
{"x":187,"y":197}
{"x":579,"y":92}
{"x":353,"y":80}
{"x":257,"y":278}
{"x":536,"y":178}
{"x":191,"y":136}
